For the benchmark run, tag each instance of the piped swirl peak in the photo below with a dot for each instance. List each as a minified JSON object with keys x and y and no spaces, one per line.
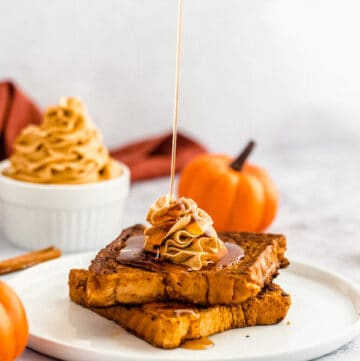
{"x":182,"y":233}
{"x":66,"y":148}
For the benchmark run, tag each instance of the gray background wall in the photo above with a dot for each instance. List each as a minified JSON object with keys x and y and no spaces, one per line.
{"x":282,"y":71}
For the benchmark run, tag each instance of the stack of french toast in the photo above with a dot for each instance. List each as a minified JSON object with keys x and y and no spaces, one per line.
{"x":168,"y":304}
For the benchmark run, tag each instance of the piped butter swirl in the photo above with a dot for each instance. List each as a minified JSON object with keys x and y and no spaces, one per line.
{"x":182,"y":233}
{"x":66,"y":148}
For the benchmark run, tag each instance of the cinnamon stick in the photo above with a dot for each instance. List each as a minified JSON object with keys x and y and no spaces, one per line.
{"x":28,"y":259}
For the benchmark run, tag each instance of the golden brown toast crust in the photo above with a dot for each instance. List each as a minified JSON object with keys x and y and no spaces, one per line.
{"x":161,"y":325}
{"x":110,"y":283}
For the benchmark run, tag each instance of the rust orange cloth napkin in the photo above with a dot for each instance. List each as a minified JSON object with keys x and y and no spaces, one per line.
{"x":16,"y":111}
{"x":149,"y":158}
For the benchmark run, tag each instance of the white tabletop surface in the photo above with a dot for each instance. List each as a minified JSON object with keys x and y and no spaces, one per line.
{"x":319,"y":213}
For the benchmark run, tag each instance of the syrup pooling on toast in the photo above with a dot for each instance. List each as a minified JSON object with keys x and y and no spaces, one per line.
{"x":134,"y":255}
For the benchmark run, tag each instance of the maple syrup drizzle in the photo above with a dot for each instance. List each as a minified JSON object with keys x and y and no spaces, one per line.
{"x":176,"y":97}
{"x":202,"y":343}
{"x":133,"y":254}
{"x":172,"y":309}
{"x":186,"y":312}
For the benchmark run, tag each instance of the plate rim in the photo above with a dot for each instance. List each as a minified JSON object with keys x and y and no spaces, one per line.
{"x":313,"y":350}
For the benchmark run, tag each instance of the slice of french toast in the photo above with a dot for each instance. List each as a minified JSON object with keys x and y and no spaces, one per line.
{"x":168,"y":325}
{"x":110,"y":282}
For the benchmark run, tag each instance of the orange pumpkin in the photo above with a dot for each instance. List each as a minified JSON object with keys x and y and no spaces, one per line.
{"x":13,"y":324}
{"x":238,"y":196}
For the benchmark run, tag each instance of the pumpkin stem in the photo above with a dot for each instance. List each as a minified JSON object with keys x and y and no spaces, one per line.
{"x":238,"y":163}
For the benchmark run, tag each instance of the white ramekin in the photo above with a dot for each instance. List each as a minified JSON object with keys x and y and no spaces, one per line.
{"x":72,"y":217}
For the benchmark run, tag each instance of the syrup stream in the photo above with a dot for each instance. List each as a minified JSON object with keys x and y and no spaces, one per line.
{"x":176,"y":97}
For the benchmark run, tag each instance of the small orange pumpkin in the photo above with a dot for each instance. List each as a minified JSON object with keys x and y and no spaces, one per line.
{"x":237,"y":195}
{"x":14,"y":329}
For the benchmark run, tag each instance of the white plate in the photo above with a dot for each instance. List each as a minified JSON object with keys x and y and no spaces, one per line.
{"x":324,"y":316}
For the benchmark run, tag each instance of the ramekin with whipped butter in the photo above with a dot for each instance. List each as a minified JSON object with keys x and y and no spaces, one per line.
{"x":60,"y":186}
